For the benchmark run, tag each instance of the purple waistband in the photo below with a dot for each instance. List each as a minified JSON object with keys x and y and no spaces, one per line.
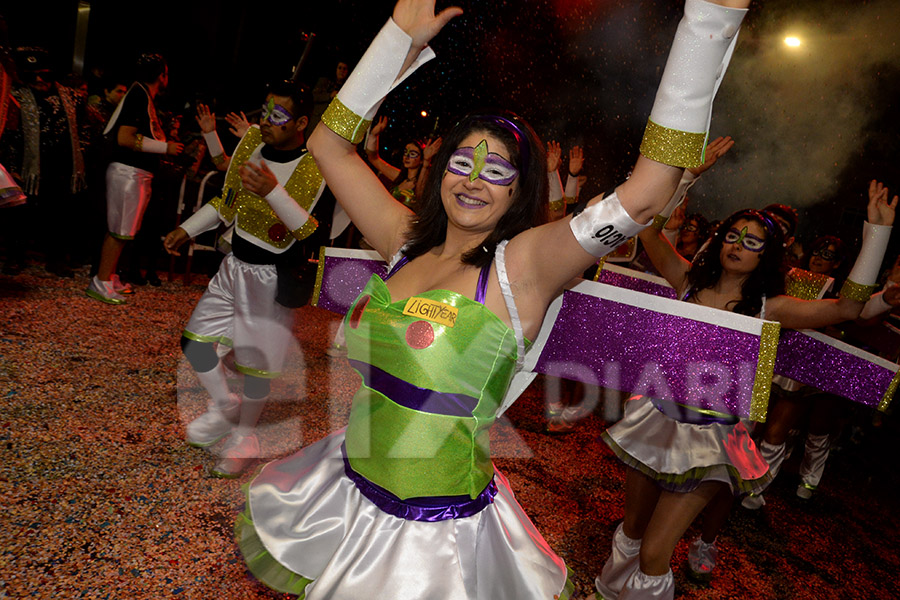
{"x":410,"y":396}
{"x":430,"y":508}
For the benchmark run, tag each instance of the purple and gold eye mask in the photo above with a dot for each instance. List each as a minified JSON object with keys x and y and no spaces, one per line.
{"x":478,"y":163}
{"x":275,"y":113}
{"x":747,"y":240}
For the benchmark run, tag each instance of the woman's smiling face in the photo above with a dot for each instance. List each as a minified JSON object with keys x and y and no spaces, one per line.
{"x":479,"y":183}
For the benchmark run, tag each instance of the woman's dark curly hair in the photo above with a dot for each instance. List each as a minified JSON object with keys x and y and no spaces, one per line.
{"x":767,"y":279}
{"x":529,"y":207}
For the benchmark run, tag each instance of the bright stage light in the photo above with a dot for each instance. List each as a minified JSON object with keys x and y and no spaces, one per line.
{"x":793,"y":42}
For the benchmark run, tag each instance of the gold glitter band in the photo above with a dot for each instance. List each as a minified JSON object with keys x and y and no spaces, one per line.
{"x":600,"y":264}
{"x":317,"y":289}
{"x":889,"y":394}
{"x":673,"y":147}
{"x":765,"y":369}
{"x":659,"y":222}
{"x":557,"y":205}
{"x":857,"y":291}
{"x":804,"y":284}
{"x":345,"y":122}
{"x":305,"y":230}
{"x":139,"y":142}
{"x":569,"y":199}
{"x":218,"y":159}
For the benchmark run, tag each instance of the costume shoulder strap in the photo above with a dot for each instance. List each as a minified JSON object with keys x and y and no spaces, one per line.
{"x":500,"y":263}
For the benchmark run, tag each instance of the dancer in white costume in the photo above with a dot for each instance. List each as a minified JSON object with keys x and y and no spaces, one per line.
{"x":273,"y":196}
{"x":682,"y":459}
{"x":406,"y":502}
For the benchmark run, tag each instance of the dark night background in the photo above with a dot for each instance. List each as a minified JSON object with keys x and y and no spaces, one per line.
{"x":813,"y":125}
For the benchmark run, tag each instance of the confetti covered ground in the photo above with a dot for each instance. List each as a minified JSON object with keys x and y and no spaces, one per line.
{"x":101,"y":497}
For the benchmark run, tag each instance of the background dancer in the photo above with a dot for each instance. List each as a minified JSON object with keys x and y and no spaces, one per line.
{"x":272,"y":194}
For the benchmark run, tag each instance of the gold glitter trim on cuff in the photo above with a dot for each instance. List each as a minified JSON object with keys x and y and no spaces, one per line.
{"x":317,"y":289}
{"x":673,"y":147}
{"x":804,"y":284}
{"x":889,"y":394}
{"x":218,"y":159}
{"x":557,"y":205}
{"x":305,"y":230}
{"x":765,"y":369}
{"x":570,"y":199}
{"x":857,"y":291}
{"x":659,"y":222}
{"x":139,"y":142}
{"x":345,"y":122}
{"x":600,"y":264}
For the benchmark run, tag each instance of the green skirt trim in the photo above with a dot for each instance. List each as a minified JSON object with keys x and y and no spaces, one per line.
{"x":210,"y":339}
{"x":689,"y":480}
{"x":260,"y":562}
{"x":569,"y":588}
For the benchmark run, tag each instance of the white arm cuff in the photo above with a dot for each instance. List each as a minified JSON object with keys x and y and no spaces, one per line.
{"x":205,"y":219}
{"x":571,"y":187}
{"x":874,"y":243}
{"x":291,"y":214}
{"x":153,"y":146}
{"x":213,"y":143}
{"x":875,"y":306}
{"x":378,"y":71}
{"x":555,"y":186}
{"x":688,"y":179}
{"x":603,"y":226}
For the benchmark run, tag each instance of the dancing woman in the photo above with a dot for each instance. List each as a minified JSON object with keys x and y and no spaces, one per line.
{"x":406,"y":501}
{"x":408,"y":182}
{"x":681,"y":460}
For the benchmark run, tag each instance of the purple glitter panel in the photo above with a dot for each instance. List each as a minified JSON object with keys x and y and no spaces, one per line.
{"x":641,"y":351}
{"x":831,"y":369}
{"x":344,"y":278}
{"x":636,"y":284}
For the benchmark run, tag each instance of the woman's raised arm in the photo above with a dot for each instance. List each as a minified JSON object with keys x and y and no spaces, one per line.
{"x":675,"y":139}
{"x":398,"y":49}
{"x":860,"y":283}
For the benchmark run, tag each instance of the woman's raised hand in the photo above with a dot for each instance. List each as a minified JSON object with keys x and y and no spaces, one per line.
{"x":576,"y":160}
{"x":880,"y":212}
{"x":237,"y":123}
{"x":554,"y":152}
{"x":205,"y":119}
{"x":431,"y":149}
{"x":417,"y":18}
{"x":379,"y":126}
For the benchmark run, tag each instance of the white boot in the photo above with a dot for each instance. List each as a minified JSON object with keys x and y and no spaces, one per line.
{"x":621,"y":564}
{"x":243,"y":448}
{"x":238,"y":454}
{"x":702,"y":559}
{"x":815,"y":456}
{"x":774,"y":455}
{"x":222,"y":413}
{"x":641,"y":586}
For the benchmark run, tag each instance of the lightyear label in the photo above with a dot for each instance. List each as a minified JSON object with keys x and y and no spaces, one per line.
{"x":431,"y":310}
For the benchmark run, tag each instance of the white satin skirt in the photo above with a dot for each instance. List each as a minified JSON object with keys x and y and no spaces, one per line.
{"x":303,"y":512}
{"x":680,"y":456}
{"x":127,"y":196}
